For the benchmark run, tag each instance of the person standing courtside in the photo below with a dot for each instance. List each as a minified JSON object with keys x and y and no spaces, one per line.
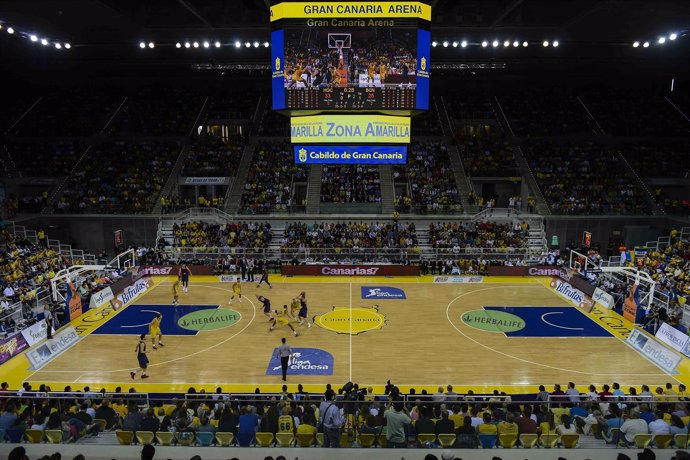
{"x":284,"y":353}
{"x":330,"y":420}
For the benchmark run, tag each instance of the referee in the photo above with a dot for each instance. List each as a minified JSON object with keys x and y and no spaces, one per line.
{"x":284,"y":352}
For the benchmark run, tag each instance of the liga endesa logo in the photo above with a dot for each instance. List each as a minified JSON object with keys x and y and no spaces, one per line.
{"x":304,"y":361}
{"x":382,"y":293}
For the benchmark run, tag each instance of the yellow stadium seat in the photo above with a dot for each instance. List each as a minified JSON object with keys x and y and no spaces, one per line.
{"x":305,"y":439}
{"x":663,"y":441}
{"x":34,"y":436}
{"x":184,"y":438}
{"x":507,"y":440}
{"x":681,"y":440}
{"x":285,"y":439}
{"x":609,"y":438}
{"x":165,"y":438}
{"x":366,"y":440}
{"x":345,"y":440}
{"x":54,"y":436}
{"x":528,"y":440}
{"x":264,"y":439}
{"x":124,"y":437}
{"x":426,"y":437}
{"x":446,"y":440}
{"x":145,"y":437}
{"x":224,"y":438}
{"x":319,"y":439}
{"x":570,"y":441}
{"x":642,"y":440}
{"x":382,"y":440}
{"x":548,"y":440}
{"x":101,"y":424}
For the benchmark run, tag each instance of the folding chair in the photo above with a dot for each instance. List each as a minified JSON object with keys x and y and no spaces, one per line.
{"x":224,"y":438}
{"x":570,"y":441}
{"x":285,"y":439}
{"x":125,"y":438}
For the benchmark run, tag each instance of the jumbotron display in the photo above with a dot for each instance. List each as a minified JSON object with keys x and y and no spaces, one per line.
{"x":350,"y":63}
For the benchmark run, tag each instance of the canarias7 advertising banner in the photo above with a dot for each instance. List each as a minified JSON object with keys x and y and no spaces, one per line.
{"x":312,"y":10}
{"x":347,"y":129}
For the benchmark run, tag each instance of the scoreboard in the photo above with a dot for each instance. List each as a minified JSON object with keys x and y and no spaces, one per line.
{"x":350,"y":98}
{"x":350,"y":61}
{"x":338,"y":67}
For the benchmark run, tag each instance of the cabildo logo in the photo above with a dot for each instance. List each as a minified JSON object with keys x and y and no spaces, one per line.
{"x":363,"y":319}
{"x":371,"y":271}
{"x":382,"y":292}
{"x":209,"y":320}
{"x":304,"y":361}
{"x":493,"y":321}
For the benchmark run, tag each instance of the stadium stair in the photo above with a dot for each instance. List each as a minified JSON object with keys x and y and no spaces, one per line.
{"x":314,"y":189}
{"x":234,"y":196}
{"x":387,"y":189}
{"x":523,"y":167}
{"x":657,"y":208}
{"x":461,"y":180}
{"x":172,"y":179}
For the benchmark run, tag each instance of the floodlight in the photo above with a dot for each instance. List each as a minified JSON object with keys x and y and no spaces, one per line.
{"x":217,"y":44}
{"x":33,"y":38}
{"x":142,"y":45}
{"x":546,"y":43}
{"x":151,"y":45}
{"x":506,"y":43}
{"x":673,"y":36}
{"x":516,"y":44}
{"x":555,"y":43}
{"x":525,"y":44}
{"x":495,"y":44}
{"x":445,"y":44}
{"x":178,"y":45}
{"x":485,"y":44}
{"x":636,"y":44}
{"x":10,"y":30}
{"x":206,"y":44}
{"x":187,"y":44}
{"x":464,"y":44}
{"x":238,"y":44}
{"x":661,"y":40}
{"x":44,"y":42}
{"x":195,"y":44}
{"x":645,"y":45}
{"x":68,"y":46}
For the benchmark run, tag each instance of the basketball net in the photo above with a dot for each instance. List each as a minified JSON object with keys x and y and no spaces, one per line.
{"x":340,"y":51}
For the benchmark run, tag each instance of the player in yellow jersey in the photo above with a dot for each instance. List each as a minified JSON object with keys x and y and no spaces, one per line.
{"x":294,"y":307}
{"x":155,"y":330}
{"x":236,"y":291}
{"x":371,"y":71}
{"x":281,"y":317}
{"x":176,"y":291}
{"x":383,"y":71}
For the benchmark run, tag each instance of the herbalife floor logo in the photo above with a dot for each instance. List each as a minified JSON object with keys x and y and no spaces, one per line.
{"x":209,"y":320}
{"x":304,"y":361}
{"x":382,"y":293}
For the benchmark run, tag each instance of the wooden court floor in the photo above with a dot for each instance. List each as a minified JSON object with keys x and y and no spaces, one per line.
{"x":436,"y":335}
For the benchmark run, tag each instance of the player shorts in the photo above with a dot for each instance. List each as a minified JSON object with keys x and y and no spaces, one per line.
{"x":154,"y":332}
{"x":282,"y":321}
{"x":143,"y":360}
{"x":303,"y":312}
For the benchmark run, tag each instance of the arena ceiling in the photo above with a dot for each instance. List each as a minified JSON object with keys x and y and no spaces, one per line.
{"x":102,"y":31}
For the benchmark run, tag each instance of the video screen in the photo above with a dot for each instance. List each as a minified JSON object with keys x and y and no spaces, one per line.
{"x":357,"y":68}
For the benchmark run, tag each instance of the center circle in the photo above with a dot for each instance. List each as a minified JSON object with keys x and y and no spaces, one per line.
{"x":209,"y":320}
{"x":493,"y":320}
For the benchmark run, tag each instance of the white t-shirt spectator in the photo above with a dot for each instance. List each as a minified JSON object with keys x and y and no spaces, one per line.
{"x":634,"y":426}
{"x":8,"y":292}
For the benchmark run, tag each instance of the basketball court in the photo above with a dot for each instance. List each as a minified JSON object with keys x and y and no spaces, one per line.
{"x":512,"y":333}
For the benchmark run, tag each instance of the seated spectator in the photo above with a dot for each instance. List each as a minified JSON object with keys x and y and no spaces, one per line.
{"x":269,"y":182}
{"x":106,"y":185}
{"x":431,"y":179}
{"x":659,"y":426}
{"x":466,"y":435}
{"x":565,"y":427}
{"x":226,"y":236}
{"x":634,"y":425}
{"x":350,"y":184}
{"x":570,"y":179}
{"x":486,"y":427}
{"x":424,"y":424}
{"x":445,"y":425}
{"x":508,"y":426}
